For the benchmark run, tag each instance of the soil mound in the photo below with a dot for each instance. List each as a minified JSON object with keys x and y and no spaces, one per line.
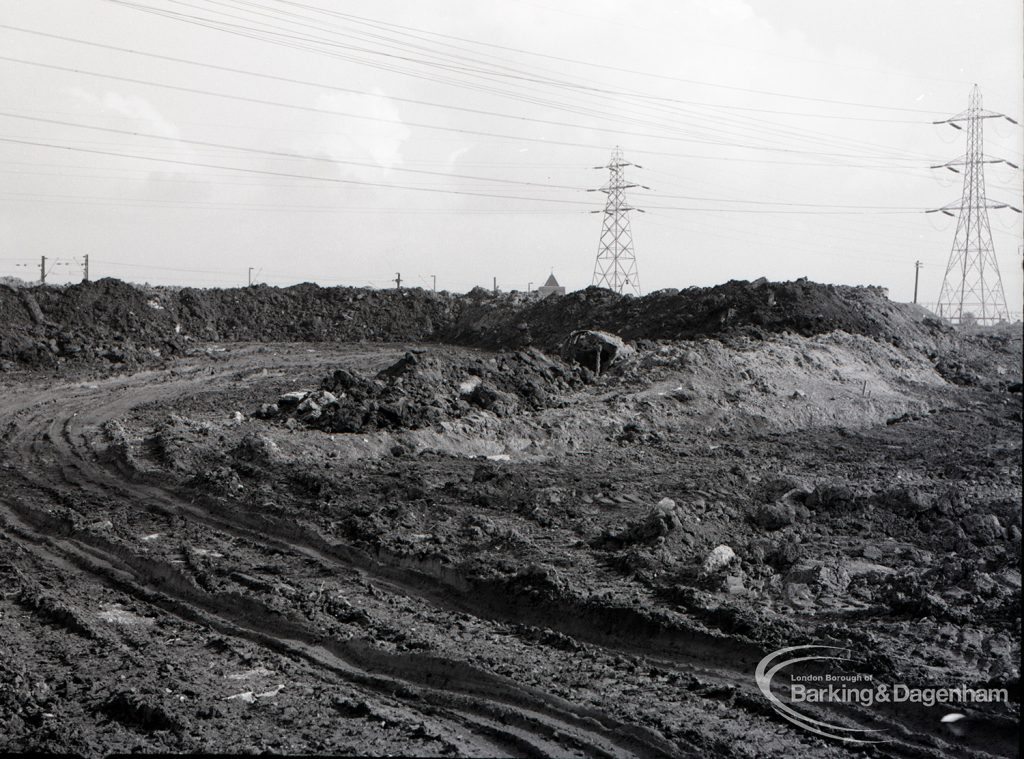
{"x":111,"y":321}
{"x":736,"y":307}
{"x":423,"y":389}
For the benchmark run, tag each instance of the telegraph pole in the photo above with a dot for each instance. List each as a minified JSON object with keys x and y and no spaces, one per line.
{"x":398,"y":280}
{"x":250,"y":275}
{"x":615,"y":267}
{"x":85,"y":269}
{"x":972,"y":286}
{"x":495,"y":285}
{"x":42,"y":270}
{"x":433,"y":277}
{"x":917,"y":271}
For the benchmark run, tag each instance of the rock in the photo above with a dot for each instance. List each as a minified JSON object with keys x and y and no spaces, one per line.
{"x":906,"y":500}
{"x":782,"y":513}
{"x":733,"y":585}
{"x":831,"y":496}
{"x":662,"y":519}
{"x":247,"y":697}
{"x":983,"y":529}
{"x":832,"y":577}
{"x":786,"y":487}
{"x":595,"y":350}
{"x":798,"y":594}
{"x":949,"y":534}
{"x":267,"y":411}
{"x":721,"y":557}
{"x":294,"y":398}
{"x":258,"y":449}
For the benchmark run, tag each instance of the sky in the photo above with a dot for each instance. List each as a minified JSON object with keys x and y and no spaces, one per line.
{"x":207,"y":142}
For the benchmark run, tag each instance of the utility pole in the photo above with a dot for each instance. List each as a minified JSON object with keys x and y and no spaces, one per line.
{"x":85,"y":269}
{"x":42,"y":270}
{"x":972,"y":289}
{"x":917,"y":271}
{"x":529,"y":287}
{"x":495,"y":285}
{"x":433,"y":278}
{"x":398,"y":280}
{"x":250,"y":275}
{"x":615,"y":267}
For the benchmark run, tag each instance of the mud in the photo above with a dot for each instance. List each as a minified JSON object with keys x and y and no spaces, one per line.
{"x":569,"y":564}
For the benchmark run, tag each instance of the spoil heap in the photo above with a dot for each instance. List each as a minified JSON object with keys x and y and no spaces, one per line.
{"x":423,"y":389}
{"x":737,"y":307}
{"x":115,"y":322}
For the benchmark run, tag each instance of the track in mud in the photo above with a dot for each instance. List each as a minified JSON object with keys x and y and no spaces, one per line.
{"x":93,"y":528}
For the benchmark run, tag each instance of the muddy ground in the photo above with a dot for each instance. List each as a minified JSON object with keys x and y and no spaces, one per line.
{"x":419,"y":548}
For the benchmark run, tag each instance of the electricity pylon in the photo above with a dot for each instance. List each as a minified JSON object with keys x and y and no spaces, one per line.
{"x":972,"y":290}
{"x":616,"y":262}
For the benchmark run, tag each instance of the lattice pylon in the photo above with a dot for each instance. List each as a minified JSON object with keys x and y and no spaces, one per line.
{"x":615,"y":267}
{"x":972,"y":288}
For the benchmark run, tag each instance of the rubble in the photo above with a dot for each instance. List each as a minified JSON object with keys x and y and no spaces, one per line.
{"x":597,"y":351}
{"x":423,"y":389}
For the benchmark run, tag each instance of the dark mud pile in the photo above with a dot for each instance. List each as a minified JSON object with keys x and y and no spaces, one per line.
{"x":111,"y":322}
{"x":423,"y":389}
{"x":737,"y":307}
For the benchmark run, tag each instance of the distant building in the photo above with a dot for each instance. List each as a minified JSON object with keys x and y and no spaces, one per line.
{"x":551,"y":287}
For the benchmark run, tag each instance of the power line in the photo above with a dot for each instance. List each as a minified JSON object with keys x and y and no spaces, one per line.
{"x":335,"y":88}
{"x":560,"y":59}
{"x":281,"y":154}
{"x":365,"y":117}
{"x":604,"y":112}
{"x":268,"y":172}
{"x":254,"y":34}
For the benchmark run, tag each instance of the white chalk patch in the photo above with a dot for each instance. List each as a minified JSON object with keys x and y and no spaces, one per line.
{"x":115,"y":614}
{"x":257,"y":672}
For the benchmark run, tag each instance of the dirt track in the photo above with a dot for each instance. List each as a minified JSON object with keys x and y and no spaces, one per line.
{"x":413,"y":602}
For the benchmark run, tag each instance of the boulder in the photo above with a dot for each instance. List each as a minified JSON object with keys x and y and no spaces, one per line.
{"x":983,"y":529}
{"x":721,"y":557}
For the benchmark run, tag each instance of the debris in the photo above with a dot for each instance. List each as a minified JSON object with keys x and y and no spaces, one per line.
{"x":596,"y":350}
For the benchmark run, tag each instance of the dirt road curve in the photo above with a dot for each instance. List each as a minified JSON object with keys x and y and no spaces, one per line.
{"x":141,"y":610}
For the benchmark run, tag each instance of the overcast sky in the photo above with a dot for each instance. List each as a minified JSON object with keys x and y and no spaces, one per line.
{"x":457,"y":138}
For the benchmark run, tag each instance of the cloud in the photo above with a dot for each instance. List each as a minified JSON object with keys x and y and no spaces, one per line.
{"x":378,"y":141}
{"x":131,"y":107}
